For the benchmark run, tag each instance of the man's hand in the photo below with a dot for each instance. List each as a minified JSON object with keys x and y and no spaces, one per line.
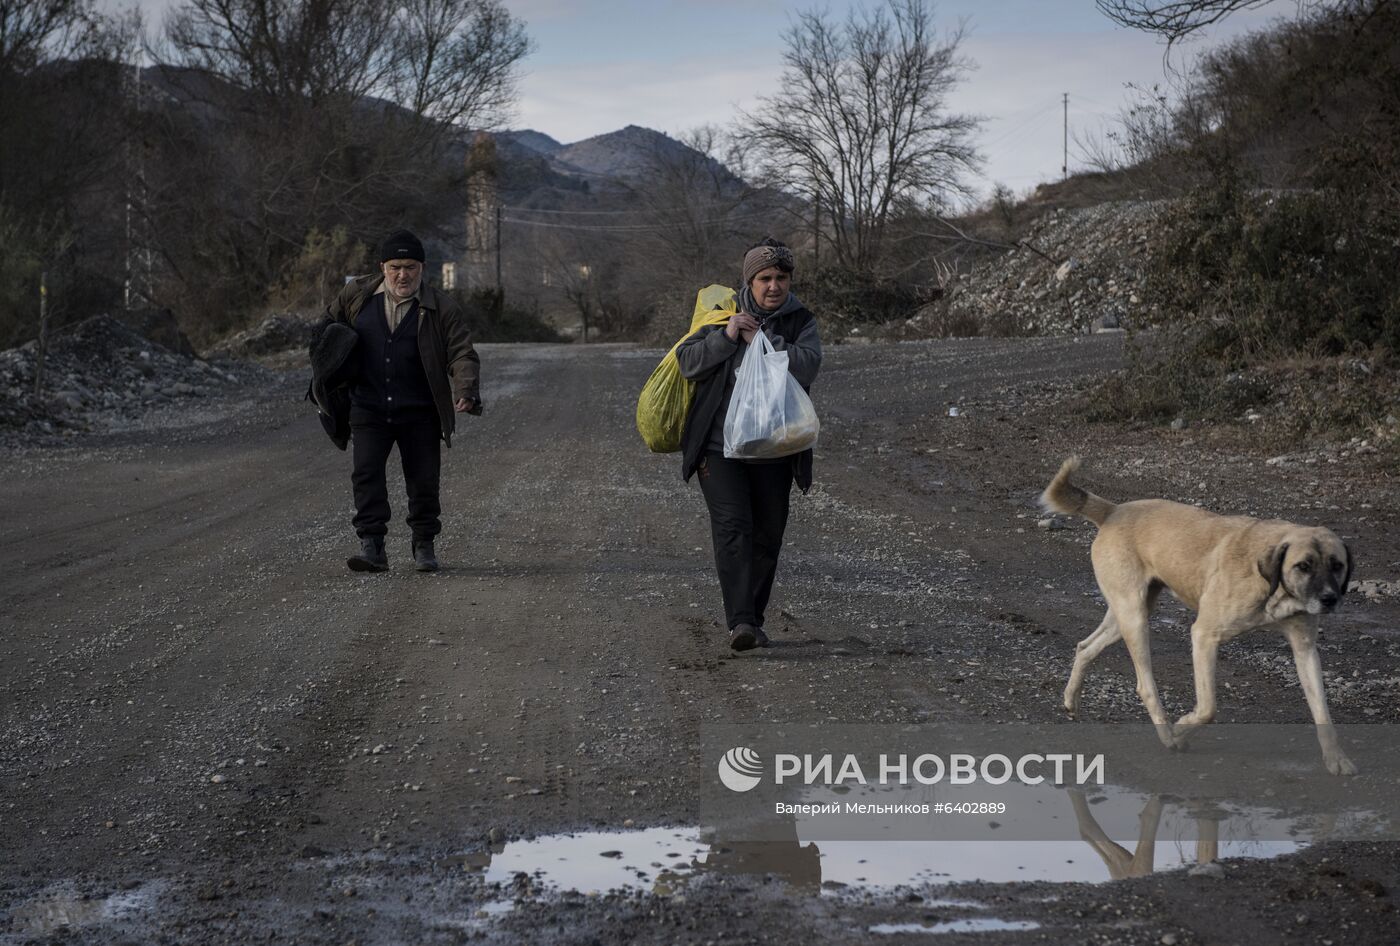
{"x":741,"y":324}
{"x":463,"y":405}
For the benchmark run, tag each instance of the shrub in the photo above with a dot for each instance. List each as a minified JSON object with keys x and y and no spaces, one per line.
{"x":491,"y":319}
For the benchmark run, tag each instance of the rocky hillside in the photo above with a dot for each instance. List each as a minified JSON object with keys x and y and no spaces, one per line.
{"x":1079,"y":270}
{"x":530,"y":140}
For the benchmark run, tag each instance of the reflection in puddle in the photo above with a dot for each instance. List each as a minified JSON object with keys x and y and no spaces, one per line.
{"x":1171,"y":833}
{"x":1166,"y":832}
{"x":974,"y":925}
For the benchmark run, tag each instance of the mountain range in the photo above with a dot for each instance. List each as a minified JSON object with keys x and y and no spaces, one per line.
{"x":616,"y":158}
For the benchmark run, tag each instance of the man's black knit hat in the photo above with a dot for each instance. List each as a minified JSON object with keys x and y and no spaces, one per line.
{"x":401,"y":245}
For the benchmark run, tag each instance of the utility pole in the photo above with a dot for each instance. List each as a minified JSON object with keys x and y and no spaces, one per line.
{"x":126,"y":287}
{"x":817,"y":234}
{"x":498,"y":249}
{"x":130,"y":173}
{"x":1064,"y":168}
{"x":470,"y":223}
{"x":43,"y":331}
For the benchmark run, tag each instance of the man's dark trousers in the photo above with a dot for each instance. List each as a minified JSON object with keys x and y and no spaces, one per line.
{"x":748,"y":513}
{"x":418,"y":435}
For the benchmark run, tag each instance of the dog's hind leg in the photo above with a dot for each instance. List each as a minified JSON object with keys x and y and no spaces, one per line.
{"x":1119,"y":860}
{"x":1132,"y":623}
{"x":1301,"y":632}
{"x":1084,"y":654}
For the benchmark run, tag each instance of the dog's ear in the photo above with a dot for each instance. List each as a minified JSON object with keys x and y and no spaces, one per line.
{"x":1271,"y":567}
{"x":1346,"y":579}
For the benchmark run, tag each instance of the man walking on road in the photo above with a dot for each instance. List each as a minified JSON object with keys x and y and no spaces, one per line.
{"x":417,"y":371}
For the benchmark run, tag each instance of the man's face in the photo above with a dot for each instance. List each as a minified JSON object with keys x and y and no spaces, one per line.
{"x":402,"y":277}
{"x":770,"y":287}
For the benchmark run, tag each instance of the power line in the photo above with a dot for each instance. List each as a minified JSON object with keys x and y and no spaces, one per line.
{"x":1003,"y":134}
{"x":626,"y":228}
{"x":1036,"y":107}
{"x":1020,"y":132}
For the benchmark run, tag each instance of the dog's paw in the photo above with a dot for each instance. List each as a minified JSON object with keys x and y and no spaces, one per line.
{"x":1168,"y":738}
{"x":1341,"y":765}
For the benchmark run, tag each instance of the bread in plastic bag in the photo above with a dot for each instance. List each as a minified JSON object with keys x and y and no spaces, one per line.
{"x":770,"y":416}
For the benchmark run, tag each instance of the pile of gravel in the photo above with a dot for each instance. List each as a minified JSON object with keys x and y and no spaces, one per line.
{"x":1092,"y":281}
{"x":278,"y":334}
{"x":101,"y":374}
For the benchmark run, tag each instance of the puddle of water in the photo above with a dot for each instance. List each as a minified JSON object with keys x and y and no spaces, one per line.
{"x":56,"y":911}
{"x":977,"y":925}
{"x":1172,"y":834}
{"x":599,"y":861}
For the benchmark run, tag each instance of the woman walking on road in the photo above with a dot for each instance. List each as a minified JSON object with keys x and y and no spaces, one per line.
{"x":747,"y":499}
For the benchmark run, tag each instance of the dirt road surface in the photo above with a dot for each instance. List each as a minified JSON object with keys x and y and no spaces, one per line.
{"x":212,"y":732}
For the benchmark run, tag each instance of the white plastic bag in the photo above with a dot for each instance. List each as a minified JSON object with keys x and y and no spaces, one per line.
{"x":770,"y":416}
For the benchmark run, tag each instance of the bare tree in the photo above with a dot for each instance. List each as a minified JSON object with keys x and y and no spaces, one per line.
{"x":694,"y":209}
{"x":303,"y":51}
{"x":861,"y":127}
{"x":62,"y":129}
{"x":311,"y":115}
{"x":456,"y":60}
{"x":1172,"y":19}
{"x":36,"y":31}
{"x":450,"y":61}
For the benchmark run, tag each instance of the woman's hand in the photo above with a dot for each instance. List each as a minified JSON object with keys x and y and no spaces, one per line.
{"x":741,"y":324}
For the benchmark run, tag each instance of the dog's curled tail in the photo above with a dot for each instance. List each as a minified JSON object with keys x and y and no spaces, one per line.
{"x":1062,"y":496}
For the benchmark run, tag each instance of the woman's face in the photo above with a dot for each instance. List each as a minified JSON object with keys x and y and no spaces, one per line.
{"x":770,"y":287}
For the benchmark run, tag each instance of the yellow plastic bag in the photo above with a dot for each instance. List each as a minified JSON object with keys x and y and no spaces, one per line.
{"x":666,"y":397}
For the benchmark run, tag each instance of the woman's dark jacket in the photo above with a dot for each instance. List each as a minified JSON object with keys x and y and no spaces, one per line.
{"x":710,"y":359}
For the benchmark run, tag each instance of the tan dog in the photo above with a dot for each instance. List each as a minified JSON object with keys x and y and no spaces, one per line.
{"x":1236,"y":573}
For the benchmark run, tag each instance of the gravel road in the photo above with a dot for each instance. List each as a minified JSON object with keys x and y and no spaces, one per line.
{"x":211,"y":731}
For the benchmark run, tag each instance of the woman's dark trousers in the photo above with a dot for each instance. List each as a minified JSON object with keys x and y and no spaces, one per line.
{"x":418,"y":436}
{"x":748,"y":513}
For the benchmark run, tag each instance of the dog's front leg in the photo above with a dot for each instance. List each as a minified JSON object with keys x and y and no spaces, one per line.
{"x":1205,"y":649}
{"x":1301,"y":632}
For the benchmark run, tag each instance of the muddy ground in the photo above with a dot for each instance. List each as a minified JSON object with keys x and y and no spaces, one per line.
{"x":211,"y":732}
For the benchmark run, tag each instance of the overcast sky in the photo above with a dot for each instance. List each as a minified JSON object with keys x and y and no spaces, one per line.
{"x":600,"y":65}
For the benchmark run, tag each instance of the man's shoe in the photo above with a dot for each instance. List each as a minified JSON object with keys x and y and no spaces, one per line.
{"x":743,"y":637}
{"x":423,"y":557}
{"x":372,"y":557}
{"x":760,"y":639}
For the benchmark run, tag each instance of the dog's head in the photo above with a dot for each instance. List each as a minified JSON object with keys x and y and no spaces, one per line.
{"x":1312,"y":566}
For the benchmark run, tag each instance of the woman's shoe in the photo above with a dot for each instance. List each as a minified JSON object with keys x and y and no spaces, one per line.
{"x":424,"y":558}
{"x":743,"y":637}
{"x":372,"y":557}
